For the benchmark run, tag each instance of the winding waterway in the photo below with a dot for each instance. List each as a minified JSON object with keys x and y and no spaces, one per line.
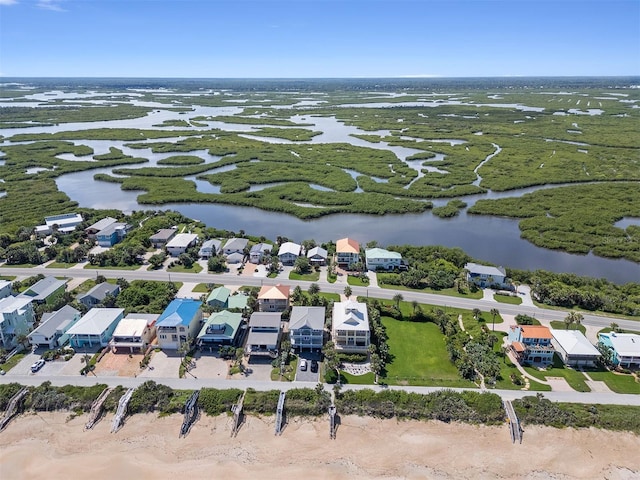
{"x":489,"y":238}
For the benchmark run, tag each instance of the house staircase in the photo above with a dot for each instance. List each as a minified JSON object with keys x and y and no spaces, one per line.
{"x":237,"y":415}
{"x":514,"y":424}
{"x":280,"y":413}
{"x":190,"y":413}
{"x":122,"y":410}
{"x":332,"y":422}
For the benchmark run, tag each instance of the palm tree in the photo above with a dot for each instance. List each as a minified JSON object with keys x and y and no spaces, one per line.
{"x":476,"y":314}
{"x":347,"y":291}
{"x":573,"y":317}
{"x":494,"y":313}
{"x":314,"y":288}
{"x":614,"y":327}
{"x":398,"y":298}
{"x":415,"y":305}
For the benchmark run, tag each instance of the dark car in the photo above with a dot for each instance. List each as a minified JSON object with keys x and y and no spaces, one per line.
{"x":314,"y":366}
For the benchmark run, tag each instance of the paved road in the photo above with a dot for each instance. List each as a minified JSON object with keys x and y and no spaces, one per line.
{"x":193,"y":384}
{"x":233,"y":279}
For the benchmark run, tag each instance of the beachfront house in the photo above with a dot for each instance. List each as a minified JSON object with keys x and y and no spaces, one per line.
{"x":317,"y":256}
{"x":265,"y":329}
{"x":52,"y":331}
{"x":65,"y":223}
{"x":381,"y":259}
{"x":219,"y":298}
{"x":221,"y":328}
{"x":48,"y":290}
{"x":531,"y":344}
{"x":485,"y":276}
{"x":235,"y":258}
{"x":180,"y":243}
{"x":235,"y":245}
{"x":350,"y":327}
{"x":98,"y":293}
{"x":259,"y":251}
{"x":95,"y":328}
{"x":273,"y":298}
{"x":180,"y":322}
{"x":16,"y":319}
{"x":93,"y":229}
{"x":289,"y":252}
{"x":112,"y":234}
{"x":574,"y":349}
{"x":624,"y":348}
{"x":306,"y":328}
{"x":162,"y":237}
{"x":347,"y":252}
{"x":134,"y":333}
{"x":209,"y":248}
{"x":5,"y":288}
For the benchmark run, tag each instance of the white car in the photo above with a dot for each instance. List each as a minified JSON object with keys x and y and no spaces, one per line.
{"x":303,"y":365}
{"x":37,"y":366}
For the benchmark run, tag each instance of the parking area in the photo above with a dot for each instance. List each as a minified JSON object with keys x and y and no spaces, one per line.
{"x":163,"y":364}
{"x":308,"y":375}
{"x":53,"y":368}
{"x":257,"y":368}
{"x":209,"y":365}
{"x":119,"y":364}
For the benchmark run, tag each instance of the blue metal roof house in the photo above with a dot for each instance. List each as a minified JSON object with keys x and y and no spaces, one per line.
{"x":180,"y":321}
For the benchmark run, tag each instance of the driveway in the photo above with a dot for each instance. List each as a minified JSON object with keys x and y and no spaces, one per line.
{"x":162,"y":365}
{"x":308,"y":375}
{"x":209,"y":365}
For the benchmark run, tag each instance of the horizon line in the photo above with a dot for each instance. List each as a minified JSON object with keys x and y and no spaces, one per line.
{"x":398,"y":77}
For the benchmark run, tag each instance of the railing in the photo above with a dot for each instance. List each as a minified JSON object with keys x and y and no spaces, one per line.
{"x":12,"y":408}
{"x":96,"y":408}
{"x":280,"y":412}
{"x":237,"y":415}
{"x":514,"y":424}
{"x":122,"y":410}
{"x":332,"y":422}
{"x":190,"y":413}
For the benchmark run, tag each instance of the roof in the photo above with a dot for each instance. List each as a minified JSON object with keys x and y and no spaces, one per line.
{"x":12,"y":304}
{"x":518,"y":347}
{"x":574,"y":342}
{"x":485,"y":270}
{"x":100,"y":291}
{"x":229,"y":323}
{"x":274,"y":292}
{"x":317,"y":251}
{"x":179,"y":312}
{"x":134,"y":324}
{"x":311,"y":317}
{"x":350,"y":315}
{"x":347,"y":245}
{"x":163,"y":234}
{"x":54,"y":321}
{"x":625,"y":344}
{"x":64,"y":219}
{"x":43,"y":288}
{"x":236,"y":244}
{"x":212,"y":243}
{"x":109,"y":229}
{"x":381,"y":253}
{"x":289,"y":247}
{"x":261,"y":248}
{"x":182,"y":240}
{"x":237,"y":301}
{"x":101,"y":224}
{"x":265,"y":319}
{"x":96,"y":321}
{"x":220,"y":294}
{"x":235,"y":257}
{"x":535,"y":331}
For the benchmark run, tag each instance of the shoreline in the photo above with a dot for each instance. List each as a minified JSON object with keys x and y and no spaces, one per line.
{"x":148,"y":446}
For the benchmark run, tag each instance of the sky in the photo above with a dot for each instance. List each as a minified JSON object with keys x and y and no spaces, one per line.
{"x":318,"y":38}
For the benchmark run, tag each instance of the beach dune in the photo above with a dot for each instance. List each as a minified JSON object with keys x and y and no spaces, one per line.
{"x":53,"y":445}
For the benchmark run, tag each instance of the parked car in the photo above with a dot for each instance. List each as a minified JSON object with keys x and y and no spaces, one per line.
{"x":37,"y":366}
{"x":303,"y":365}
{"x":314,"y":366}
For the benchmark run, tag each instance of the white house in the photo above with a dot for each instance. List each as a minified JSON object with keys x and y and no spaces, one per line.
{"x":625,"y":348}
{"x":134,"y":333}
{"x":64,"y":223}
{"x":52,"y":331}
{"x":16,"y":318}
{"x":317,"y":256}
{"x":350,"y":326}
{"x":264,"y":333}
{"x":179,"y":243}
{"x":289,"y":252}
{"x":306,"y":328}
{"x":209,"y":248}
{"x":259,"y":251}
{"x":95,"y":327}
{"x":5,"y":288}
{"x":381,"y":259}
{"x":574,"y":348}
{"x":235,"y":245}
{"x":487,"y":276}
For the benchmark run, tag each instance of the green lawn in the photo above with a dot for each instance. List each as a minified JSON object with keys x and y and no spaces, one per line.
{"x":473,"y":326}
{"x":289,"y":374}
{"x":451,"y":292}
{"x":366,"y":379}
{"x":13,"y":361}
{"x":127,"y":267}
{"x":195,"y":268}
{"x":619,"y":383}
{"x":560,"y":325}
{"x":419,"y":356}
{"x":335,"y":297}
{"x":8,"y":278}
{"x":308,"y":277}
{"x":203,"y":287}
{"x":575,"y":379}
{"x":61,"y":265}
{"x":357,"y":281}
{"x":507,"y":299}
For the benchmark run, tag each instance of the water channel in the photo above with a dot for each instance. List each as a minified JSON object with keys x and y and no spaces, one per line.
{"x":489,"y":238}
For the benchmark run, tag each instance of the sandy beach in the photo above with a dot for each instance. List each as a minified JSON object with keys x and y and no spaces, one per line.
{"x":51,"y":445}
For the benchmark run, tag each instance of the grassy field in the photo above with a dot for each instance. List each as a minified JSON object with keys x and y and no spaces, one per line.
{"x":507,"y":299}
{"x":451,"y":292}
{"x":575,"y":379}
{"x":560,"y":325}
{"x":357,"y":281}
{"x":13,"y":361}
{"x":619,"y":383}
{"x":309,"y":277}
{"x":419,"y":356}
